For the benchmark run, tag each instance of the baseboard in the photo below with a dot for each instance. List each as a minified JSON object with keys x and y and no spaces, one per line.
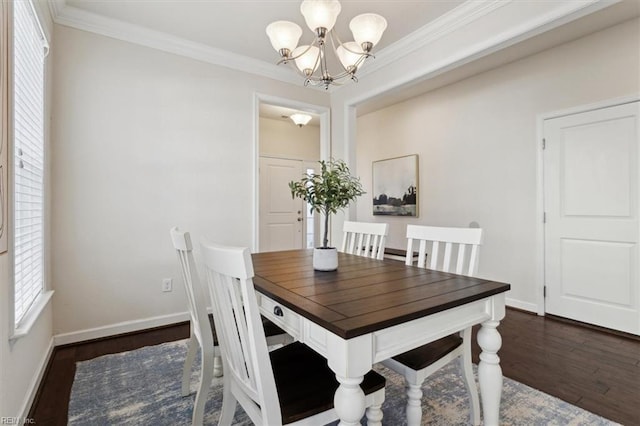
{"x":118,"y":328}
{"x":523,"y":306}
{"x":35,"y":381}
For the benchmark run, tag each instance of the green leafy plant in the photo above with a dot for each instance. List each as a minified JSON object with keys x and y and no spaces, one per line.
{"x":328,"y":191}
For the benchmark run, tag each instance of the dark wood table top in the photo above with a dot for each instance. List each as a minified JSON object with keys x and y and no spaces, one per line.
{"x":364,"y":295}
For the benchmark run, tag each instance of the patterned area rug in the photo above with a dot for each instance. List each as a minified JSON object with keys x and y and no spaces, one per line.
{"x":142,"y":387}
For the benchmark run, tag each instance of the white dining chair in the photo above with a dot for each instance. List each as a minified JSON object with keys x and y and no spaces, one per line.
{"x":201,"y":335}
{"x":202,"y":332}
{"x":364,"y":239}
{"x":437,"y":245}
{"x":289,"y":385}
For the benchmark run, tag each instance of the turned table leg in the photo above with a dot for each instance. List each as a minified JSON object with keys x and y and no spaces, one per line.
{"x":489,"y":372}
{"x":349,"y":400}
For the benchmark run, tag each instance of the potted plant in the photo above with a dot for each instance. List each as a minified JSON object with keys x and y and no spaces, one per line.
{"x":327,"y":192}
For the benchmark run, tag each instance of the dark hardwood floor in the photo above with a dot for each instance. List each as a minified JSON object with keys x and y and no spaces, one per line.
{"x":592,"y":369}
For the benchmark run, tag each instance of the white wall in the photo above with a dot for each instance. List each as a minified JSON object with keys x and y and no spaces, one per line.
{"x":284,"y":139}
{"x":22,"y":361}
{"x":476,"y":142}
{"x":143,"y":141}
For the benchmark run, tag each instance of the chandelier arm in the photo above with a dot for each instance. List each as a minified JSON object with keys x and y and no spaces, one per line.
{"x":360,"y":60}
{"x":313,"y":78}
{"x":322,"y":60}
{"x":362,"y":56}
{"x":316,"y":81}
{"x":342,"y":75}
{"x":333,"y":36}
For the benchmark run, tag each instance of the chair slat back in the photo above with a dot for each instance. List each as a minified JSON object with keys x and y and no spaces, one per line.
{"x":445,"y":239}
{"x":240,"y":332}
{"x":196,"y":293}
{"x":365,"y":239}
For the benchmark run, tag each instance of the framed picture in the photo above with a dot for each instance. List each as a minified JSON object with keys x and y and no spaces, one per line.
{"x":395,"y":186}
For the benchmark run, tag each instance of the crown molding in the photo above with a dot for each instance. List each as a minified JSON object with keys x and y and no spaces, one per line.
{"x":470,"y":11}
{"x":77,"y":18}
{"x":480,"y":44}
{"x":455,"y":20}
{"x":451,"y":21}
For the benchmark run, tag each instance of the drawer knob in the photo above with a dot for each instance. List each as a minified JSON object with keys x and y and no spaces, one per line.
{"x":277,"y":311}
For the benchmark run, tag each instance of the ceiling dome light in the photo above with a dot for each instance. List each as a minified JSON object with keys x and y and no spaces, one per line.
{"x":300,"y":119}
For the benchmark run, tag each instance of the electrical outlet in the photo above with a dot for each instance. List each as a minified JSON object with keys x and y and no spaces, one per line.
{"x":167,"y":284}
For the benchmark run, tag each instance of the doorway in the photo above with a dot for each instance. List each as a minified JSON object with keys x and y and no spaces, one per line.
{"x":284,"y":152}
{"x":591,"y":230}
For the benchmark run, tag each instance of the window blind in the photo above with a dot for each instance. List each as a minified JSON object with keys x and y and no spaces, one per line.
{"x":29,"y":51}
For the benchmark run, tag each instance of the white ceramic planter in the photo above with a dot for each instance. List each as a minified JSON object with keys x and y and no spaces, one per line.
{"x":325,"y":259}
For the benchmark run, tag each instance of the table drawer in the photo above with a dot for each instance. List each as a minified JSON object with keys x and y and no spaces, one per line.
{"x":283,"y":317}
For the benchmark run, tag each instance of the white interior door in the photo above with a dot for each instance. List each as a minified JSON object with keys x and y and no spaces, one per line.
{"x":281,"y":217}
{"x":591,"y":205}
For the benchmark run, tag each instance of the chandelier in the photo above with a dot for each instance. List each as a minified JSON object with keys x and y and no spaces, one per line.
{"x":311,"y":60}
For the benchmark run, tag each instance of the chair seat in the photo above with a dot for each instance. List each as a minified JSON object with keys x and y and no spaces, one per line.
{"x":305,"y":383}
{"x":425,"y":355}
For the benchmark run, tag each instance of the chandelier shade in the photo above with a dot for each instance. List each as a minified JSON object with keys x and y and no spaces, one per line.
{"x":368,"y":28}
{"x":349,"y":54}
{"x":311,"y":59}
{"x":284,"y":35}
{"x":320,"y":13}
{"x":306,"y":58}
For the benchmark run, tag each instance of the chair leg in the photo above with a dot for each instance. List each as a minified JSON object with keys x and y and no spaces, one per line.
{"x":228,"y":409}
{"x":374,"y":411}
{"x":192,"y":350}
{"x":414,"y":404}
{"x":206,"y":375}
{"x":468,"y":379}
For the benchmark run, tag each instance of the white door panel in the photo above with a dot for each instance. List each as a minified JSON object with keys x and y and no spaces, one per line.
{"x":596,"y":167}
{"x":281,"y":216}
{"x":583,"y":280}
{"x":592,"y":229}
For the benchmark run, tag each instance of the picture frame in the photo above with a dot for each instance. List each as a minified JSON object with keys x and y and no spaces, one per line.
{"x":395,"y":186}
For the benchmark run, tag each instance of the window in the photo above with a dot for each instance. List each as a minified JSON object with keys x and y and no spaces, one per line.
{"x":311,"y":222}
{"x":29,"y":52}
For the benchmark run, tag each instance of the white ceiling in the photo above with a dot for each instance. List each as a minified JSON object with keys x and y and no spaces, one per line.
{"x":238,"y":26}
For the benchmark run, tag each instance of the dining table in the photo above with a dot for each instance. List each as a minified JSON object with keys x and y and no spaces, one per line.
{"x":369,"y":310}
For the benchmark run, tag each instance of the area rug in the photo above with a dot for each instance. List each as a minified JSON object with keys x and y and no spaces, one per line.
{"x":142,"y":387}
